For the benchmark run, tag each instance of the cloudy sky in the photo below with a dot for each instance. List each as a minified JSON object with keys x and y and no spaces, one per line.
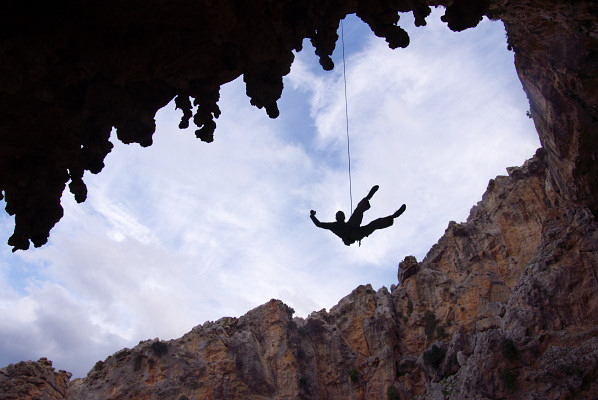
{"x":184,"y":232}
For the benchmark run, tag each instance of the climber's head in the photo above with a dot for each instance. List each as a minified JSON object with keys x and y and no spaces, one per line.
{"x":340,"y":216}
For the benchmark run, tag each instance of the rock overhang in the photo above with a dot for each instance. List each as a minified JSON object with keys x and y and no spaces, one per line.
{"x":73,"y":71}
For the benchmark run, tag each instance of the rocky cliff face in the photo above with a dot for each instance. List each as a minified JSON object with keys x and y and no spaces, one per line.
{"x":508,"y":301}
{"x":556,"y":55}
{"x":264,"y":354}
{"x":505,"y":305}
{"x":33,"y":380}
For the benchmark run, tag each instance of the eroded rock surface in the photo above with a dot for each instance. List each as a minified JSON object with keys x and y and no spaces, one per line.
{"x":264,"y":354}
{"x":70,"y":71}
{"x":509,"y":299}
{"x":556,"y":56}
{"x":33,"y":380}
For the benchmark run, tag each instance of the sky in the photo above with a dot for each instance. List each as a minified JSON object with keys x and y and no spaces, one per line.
{"x":185,"y":232}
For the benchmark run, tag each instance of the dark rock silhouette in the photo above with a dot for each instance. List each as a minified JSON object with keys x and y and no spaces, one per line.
{"x":70,"y":71}
{"x":352,"y":231}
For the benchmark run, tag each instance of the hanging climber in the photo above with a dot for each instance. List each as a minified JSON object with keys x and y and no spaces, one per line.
{"x":351,"y":231}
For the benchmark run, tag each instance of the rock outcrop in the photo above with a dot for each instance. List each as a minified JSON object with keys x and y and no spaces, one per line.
{"x":264,"y":354}
{"x":505,"y":305}
{"x":556,"y":56}
{"x":33,"y":380}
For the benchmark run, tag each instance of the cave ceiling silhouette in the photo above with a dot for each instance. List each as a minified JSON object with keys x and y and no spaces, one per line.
{"x":71,"y":71}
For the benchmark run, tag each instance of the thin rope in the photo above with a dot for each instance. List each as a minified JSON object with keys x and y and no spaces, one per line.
{"x":347,"y":116}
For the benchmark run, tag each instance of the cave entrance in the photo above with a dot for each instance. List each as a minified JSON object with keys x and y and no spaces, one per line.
{"x":217,"y":229}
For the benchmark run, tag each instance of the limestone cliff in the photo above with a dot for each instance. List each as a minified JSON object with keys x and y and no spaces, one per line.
{"x":33,"y":380}
{"x":264,"y":354}
{"x":505,"y":305}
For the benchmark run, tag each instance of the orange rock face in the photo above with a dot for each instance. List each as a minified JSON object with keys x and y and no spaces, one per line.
{"x":33,"y":380}
{"x":264,"y":354}
{"x":501,"y":291}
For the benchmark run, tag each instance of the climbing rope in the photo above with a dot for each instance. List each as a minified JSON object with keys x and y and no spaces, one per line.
{"x":347,"y":116}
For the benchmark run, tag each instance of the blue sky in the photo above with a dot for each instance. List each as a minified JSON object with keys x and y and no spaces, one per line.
{"x":183,"y":232}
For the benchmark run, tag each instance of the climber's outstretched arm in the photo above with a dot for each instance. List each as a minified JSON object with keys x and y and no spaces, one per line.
{"x":323,"y":225}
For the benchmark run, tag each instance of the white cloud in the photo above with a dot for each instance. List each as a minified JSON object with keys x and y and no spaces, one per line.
{"x":425,"y":123}
{"x":184,"y":231}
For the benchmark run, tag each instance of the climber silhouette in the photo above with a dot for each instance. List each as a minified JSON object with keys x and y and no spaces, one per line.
{"x":351,"y":231}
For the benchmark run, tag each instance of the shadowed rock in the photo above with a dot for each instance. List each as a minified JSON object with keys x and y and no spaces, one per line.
{"x":70,"y":71}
